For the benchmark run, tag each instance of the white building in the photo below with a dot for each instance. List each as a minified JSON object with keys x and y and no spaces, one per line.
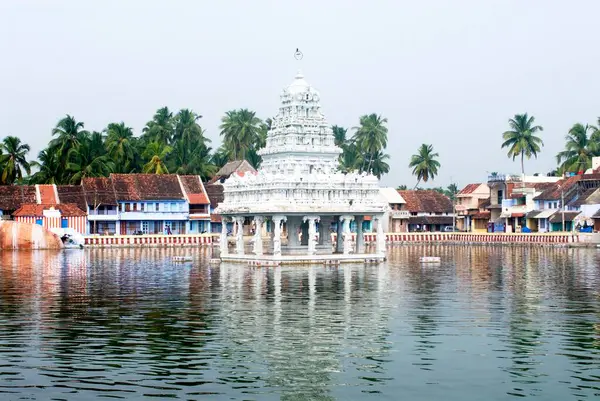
{"x":300,"y":189}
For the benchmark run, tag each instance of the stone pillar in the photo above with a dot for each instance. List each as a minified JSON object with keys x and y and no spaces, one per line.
{"x":339,"y":236}
{"x":380,"y":241}
{"x":239,"y":235}
{"x":304,"y":238}
{"x":277,"y":222}
{"x":360,"y":239}
{"x":312,"y":233}
{"x":325,"y":233}
{"x":346,"y":233}
{"x":224,"y":247}
{"x":258,"y":243}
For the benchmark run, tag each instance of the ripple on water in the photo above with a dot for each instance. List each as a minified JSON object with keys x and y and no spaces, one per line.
{"x":129,"y":324}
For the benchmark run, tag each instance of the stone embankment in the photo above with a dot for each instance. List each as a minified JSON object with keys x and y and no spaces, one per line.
{"x":24,"y":236}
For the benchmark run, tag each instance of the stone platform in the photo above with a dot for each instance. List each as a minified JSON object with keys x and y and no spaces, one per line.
{"x":330,"y":259}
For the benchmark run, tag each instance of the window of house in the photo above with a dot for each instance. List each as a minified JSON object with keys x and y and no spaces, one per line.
{"x":128,"y":207}
{"x":173,"y":207}
{"x":500,"y":196}
{"x":157,"y":206}
{"x":145,"y":227}
{"x":142,"y":207}
{"x":135,"y":208}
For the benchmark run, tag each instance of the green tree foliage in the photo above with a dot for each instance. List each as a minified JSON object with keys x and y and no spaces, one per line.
{"x":424,"y":164}
{"x":13,"y":159}
{"x":521,"y":139}
{"x":242,"y":133}
{"x":364,"y":151}
{"x":582,"y":143}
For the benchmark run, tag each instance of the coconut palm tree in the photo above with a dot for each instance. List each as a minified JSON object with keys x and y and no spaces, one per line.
{"x":241,"y":130}
{"x":339,"y":134}
{"x":156,"y":153}
{"x":521,"y":139}
{"x":49,"y":171}
{"x":89,"y":159}
{"x":379,"y":165}
{"x":370,"y":136}
{"x":161,"y":127}
{"x":68,"y":132}
{"x":120,"y":146}
{"x":424,"y":164}
{"x":582,"y":144}
{"x":187,"y":127}
{"x":13,"y":160}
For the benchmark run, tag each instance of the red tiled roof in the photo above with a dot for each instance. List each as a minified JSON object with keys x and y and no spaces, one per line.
{"x":13,"y":196}
{"x":215,"y":194}
{"x":72,"y":194}
{"x":47,"y":194}
{"x":146,"y":186}
{"x":194,"y":190}
{"x":36,"y":210}
{"x":98,"y":191}
{"x":426,"y":201}
{"x":469,"y":189}
{"x":553,"y":190}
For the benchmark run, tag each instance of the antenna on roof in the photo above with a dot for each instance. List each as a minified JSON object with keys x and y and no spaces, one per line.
{"x":298,"y":54}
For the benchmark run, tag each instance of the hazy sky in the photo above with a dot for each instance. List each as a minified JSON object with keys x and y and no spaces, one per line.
{"x":446,"y":72}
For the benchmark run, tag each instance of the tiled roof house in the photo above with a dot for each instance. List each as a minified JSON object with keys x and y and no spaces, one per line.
{"x":429,"y":210}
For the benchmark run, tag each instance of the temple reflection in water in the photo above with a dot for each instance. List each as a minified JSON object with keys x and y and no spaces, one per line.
{"x":130,"y":322}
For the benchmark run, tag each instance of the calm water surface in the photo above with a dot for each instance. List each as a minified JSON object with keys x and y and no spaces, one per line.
{"x":489,"y":323}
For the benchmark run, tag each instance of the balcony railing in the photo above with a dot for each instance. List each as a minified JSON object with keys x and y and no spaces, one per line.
{"x":102,"y":212}
{"x":504,"y":177}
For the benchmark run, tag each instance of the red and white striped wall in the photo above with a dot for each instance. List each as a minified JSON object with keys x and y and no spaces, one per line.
{"x":77,"y":223}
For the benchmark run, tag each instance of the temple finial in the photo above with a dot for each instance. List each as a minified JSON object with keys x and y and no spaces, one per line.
{"x":298,"y":55}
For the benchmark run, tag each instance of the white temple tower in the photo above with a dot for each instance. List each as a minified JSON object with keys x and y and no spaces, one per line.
{"x":299,"y":185}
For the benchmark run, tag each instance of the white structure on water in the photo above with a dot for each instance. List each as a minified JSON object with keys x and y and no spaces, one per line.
{"x":300,"y":189}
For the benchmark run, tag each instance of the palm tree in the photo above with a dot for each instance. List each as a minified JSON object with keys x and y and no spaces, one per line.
{"x":89,"y":159}
{"x":161,"y":127}
{"x":339,"y":134}
{"x":120,"y":146}
{"x":451,"y":191}
{"x":156,"y":153}
{"x":424,"y":164}
{"x":50,"y":170}
{"x":370,"y":136}
{"x":220,"y":157}
{"x":194,"y":158}
{"x":379,"y":165}
{"x":69,"y":133}
{"x":521,"y":139}
{"x":187,"y":127}
{"x":351,"y":159}
{"x":580,"y":148}
{"x":240,"y":130}
{"x":14,"y":161}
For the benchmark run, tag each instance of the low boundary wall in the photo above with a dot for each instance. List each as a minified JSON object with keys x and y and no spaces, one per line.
{"x":150,"y":240}
{"x":483,"y":238}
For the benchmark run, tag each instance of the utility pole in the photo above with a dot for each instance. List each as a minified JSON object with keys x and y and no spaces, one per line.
{"x":453,"y":206}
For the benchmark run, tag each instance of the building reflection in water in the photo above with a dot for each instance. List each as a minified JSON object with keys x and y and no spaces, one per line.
{"x":122,"y":322}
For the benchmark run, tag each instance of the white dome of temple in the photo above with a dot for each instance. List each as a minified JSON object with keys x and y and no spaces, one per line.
{"x":299,"y":179}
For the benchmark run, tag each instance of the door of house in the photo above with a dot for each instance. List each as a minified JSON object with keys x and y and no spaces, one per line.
{"x":145,"y":227}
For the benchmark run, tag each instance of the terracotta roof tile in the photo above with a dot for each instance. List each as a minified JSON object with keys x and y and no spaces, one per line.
{"x":469,"y":189}
{"x":72,"y":194}
{"x":481,"y":215}
{"x":557,"y":217}
{"x":47,"y":194}
{"x":553,"y":190}
{"x":36,"y":210}
{"x":426,"y":201}
{"x":98,"y":191}
{"x":194,"y":189}
{"x":13,"y":196}
{"x":215,"y":194}
{"x":146,"y":186}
